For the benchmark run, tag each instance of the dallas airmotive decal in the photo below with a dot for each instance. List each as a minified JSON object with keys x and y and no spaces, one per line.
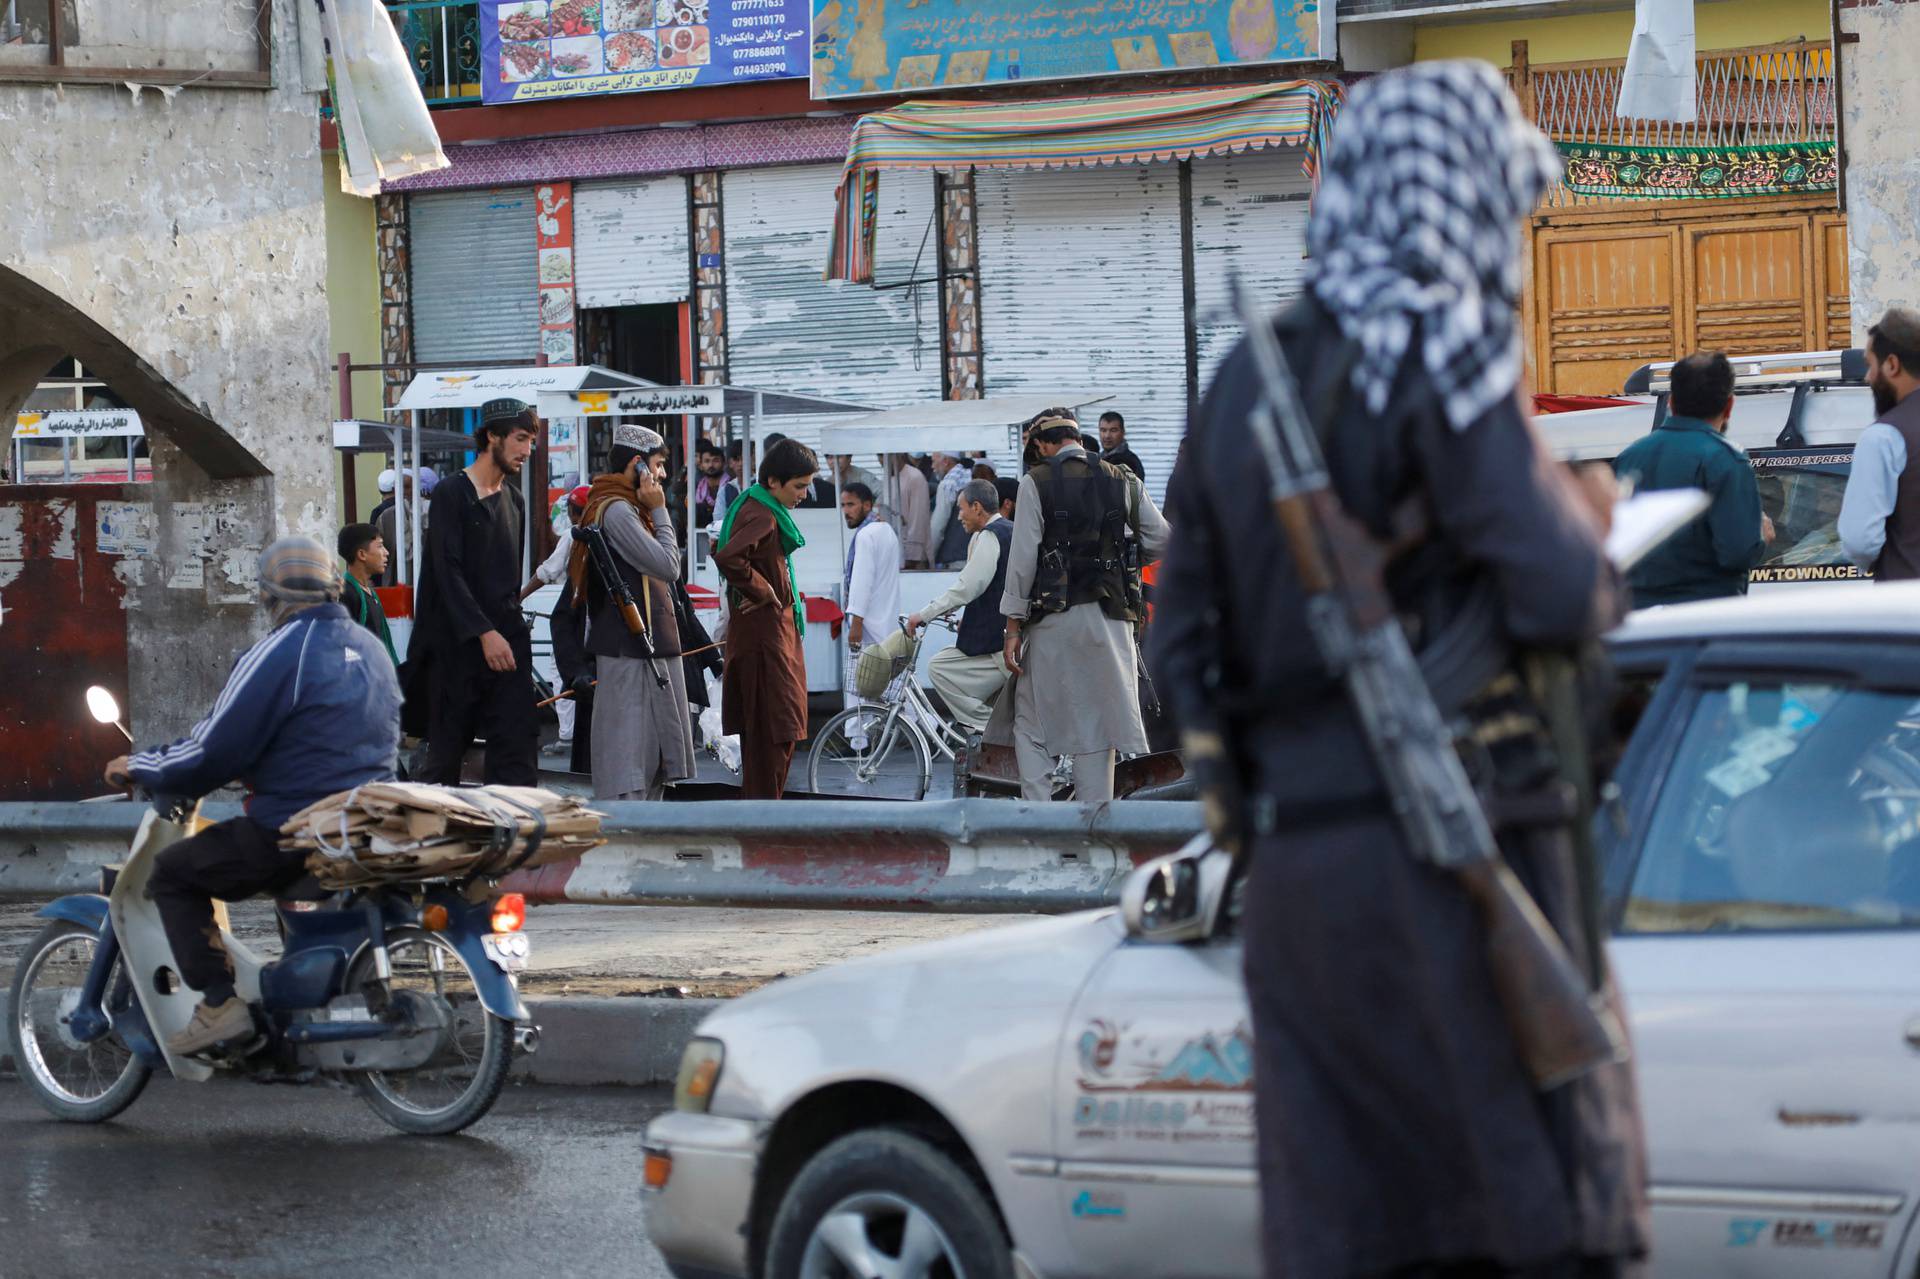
{"x":1143,"y":1086}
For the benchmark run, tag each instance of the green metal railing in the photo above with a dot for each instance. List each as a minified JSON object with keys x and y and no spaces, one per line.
{"x":442,"y":40}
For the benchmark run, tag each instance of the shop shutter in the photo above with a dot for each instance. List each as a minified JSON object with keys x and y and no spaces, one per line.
{"x":1080,"y":290}
{"x":1250,"y":217}
{"x":630,"y":242}
{"x":790,"y":330}
{"x":474,"y":297}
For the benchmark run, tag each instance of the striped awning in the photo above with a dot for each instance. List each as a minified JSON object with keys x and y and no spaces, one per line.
{"x":1108,"y":128}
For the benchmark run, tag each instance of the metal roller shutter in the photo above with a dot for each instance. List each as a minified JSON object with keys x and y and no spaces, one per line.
{"x":790,"y":330}
{"x":630,"y":242}
{"x":1249,"y":216}
{"x":1080,"y":289}
{"x":474,"y":297}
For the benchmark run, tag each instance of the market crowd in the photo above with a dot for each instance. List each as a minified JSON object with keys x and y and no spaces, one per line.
{"x":1046,"y":604}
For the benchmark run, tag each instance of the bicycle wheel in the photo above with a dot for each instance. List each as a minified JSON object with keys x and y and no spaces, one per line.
{"x":866,"y":752}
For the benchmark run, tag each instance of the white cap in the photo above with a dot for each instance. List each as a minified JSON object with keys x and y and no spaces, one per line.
{"x":386,"y":480}
{"x":631,"y":435}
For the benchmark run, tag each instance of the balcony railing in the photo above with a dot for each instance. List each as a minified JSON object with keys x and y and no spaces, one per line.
{"x":1762,"y":96}
{"x":442,"y":40}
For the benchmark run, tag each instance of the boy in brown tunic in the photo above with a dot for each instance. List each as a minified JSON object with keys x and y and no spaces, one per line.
{"x":764,"y":687}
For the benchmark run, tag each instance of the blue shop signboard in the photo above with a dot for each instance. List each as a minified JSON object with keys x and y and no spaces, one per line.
{"x":533,"y":49}
{"x":873,"y":46}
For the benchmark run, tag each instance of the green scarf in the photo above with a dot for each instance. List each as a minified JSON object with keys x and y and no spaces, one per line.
{"x":790,"y":541}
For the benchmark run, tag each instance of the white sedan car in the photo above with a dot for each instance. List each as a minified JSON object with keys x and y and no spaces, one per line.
{"x":1073,"y":1097}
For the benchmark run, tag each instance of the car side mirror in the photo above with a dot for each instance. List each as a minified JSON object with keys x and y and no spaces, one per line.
{"x":1179,"y":897}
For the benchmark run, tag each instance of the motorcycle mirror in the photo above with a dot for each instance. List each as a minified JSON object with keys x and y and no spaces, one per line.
{"x":103,"y":707}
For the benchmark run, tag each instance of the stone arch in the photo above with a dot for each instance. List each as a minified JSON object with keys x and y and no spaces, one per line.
{"x":38,"y":327}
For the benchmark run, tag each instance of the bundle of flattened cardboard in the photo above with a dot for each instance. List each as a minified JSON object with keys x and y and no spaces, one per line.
{"x":392,"y":832}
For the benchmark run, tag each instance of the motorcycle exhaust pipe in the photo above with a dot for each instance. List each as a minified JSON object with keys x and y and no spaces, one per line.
{"x":526,"y":1039}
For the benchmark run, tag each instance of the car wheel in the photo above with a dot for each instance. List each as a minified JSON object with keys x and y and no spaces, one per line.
{"x":884,"y":1204}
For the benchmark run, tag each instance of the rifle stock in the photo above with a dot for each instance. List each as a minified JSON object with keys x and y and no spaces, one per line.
{"x":1560,"y":1028}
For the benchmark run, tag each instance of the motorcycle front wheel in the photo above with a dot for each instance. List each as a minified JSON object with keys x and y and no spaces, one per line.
{"x":463,"y":1079}
{"x":85,"y":1083}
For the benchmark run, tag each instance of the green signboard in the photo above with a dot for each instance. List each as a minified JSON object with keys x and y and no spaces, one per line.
{"x":902,"y":46}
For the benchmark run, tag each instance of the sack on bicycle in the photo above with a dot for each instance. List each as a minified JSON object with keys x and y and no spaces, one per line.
{"x":880,"y":663}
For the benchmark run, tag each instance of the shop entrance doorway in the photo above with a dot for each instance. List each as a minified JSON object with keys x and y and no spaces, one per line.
{"x":645,"y":341}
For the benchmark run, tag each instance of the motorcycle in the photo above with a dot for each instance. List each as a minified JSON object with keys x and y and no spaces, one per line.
{"x":406,"y":994}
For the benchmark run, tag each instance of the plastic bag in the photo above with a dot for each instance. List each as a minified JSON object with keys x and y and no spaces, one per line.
{"x":385,"y":130}
{"x":726,"y":746}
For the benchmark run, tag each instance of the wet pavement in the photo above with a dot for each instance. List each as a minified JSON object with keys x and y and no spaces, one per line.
{"x":233,"y":1179}
{"x":640,"y":950}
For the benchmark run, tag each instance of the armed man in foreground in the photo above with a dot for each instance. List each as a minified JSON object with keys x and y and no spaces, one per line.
{"x":1071,"y":603}
{"x":625,"y":564}
{"x":311,"y":710}
{"x":1441,"y":1082}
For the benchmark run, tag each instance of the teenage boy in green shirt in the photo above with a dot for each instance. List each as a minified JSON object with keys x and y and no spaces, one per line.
{"x":365,"y":552}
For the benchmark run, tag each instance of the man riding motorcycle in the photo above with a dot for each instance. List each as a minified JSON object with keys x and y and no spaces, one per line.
{"x":311,"y":710}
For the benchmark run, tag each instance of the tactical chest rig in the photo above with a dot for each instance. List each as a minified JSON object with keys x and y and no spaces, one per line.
{"x":1083,"y":541}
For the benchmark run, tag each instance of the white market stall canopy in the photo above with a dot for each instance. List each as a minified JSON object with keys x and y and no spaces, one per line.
{"x":947,"y":425}
{"x":357,"y":435}
{"x":471,"y":388}
{"x":655,"y":399}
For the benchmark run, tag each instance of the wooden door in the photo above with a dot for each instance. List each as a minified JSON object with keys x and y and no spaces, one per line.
{"x":1606,"y":304}
{"x":1833,"y":294}
{"x":1749,"y":287}
{"x":1611,"y":292}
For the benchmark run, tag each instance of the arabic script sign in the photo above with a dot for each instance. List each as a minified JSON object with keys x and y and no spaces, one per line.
{"x":868,"y":46}
{"x":649,"y":401}
{"x":531,"y":49}
{"x":77,"y":424}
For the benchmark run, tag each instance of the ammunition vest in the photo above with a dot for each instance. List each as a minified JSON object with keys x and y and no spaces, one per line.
{"x":1083,"y":540}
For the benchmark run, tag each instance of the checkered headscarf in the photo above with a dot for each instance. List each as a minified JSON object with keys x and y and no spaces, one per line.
{"x":1417,"y":220}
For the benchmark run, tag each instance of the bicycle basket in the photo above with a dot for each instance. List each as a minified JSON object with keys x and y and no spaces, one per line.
{"x":881,"y":663}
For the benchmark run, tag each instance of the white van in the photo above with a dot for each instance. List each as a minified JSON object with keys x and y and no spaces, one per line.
{"x":1796,"y":415}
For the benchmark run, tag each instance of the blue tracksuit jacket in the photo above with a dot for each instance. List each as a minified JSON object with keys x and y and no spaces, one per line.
{"x":311,"y":710}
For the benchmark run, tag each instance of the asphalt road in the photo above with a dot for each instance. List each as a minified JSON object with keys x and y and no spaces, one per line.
{"x":237,"y":1179}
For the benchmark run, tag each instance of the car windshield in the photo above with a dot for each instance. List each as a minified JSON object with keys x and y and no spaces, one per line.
{"x":1800,"y":491}
{"x":1788,"y":806}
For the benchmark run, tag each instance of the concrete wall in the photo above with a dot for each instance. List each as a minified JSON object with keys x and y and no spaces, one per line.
{"x":176,"y":243}
{"x":1881,"y":97}
{"x":353,"y":317}
{"x":1578,"y":37}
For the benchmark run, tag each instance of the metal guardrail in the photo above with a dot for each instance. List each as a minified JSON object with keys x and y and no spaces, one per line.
{"x":967,"y":856}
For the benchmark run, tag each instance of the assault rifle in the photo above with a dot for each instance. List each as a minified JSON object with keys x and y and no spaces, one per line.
{"x":600,"y":556}
{"x":1559,"y":1026}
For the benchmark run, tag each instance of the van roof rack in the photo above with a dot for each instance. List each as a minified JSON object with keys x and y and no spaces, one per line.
{"x":1765,"y":372}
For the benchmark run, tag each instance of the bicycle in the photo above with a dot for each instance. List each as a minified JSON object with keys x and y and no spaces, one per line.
{"x":851,"y":752}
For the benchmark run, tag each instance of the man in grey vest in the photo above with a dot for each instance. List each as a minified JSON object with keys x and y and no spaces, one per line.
{"x":971,"y":674}
{"x":1880,"y":516}
{"x":642,"y":736}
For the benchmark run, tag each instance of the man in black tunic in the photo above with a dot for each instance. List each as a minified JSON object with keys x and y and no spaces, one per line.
{"x":469,"y":609}
{"x":1399,"y":1133}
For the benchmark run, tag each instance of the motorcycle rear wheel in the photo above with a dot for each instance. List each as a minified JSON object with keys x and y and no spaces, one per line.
{"x":465,"y":1077}
{"x":80,"y":1083}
